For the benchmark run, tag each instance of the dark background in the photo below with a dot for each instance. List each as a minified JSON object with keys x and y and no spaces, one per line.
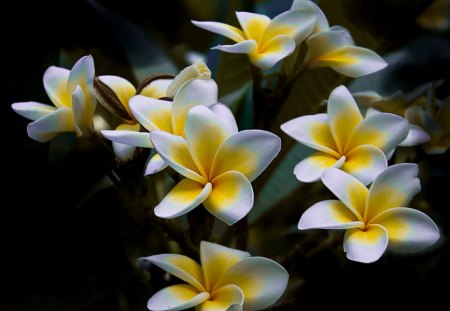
{"x":60,"y":255}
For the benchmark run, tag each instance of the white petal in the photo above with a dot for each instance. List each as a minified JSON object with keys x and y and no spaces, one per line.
{"x":312,"y":168}
{"x":156,"y":88}
{"x":55,"y":84}
{"x":176,"y":297}
{"x":366,"y":245}
{"x":132,"y":138}
{"x":32,"y":110}
{"x":153,"y":114}
{"x":123,"y":152}
{"x":46,"y":128}
{"x":243,"y":47}
{"x":273,"y":51}
{"x":227,"y":298}
{"x":231,"y":197}
{"x":321,"y":23}
{"x":330,"y":214}
{"x":82,"y":112}
{"x":416,"y":136}
{"x":228,"y":31}
{"x":183,"y":198}
{"x":121,"y":87}
{"x":254,"y":25}
{"x":408,"y":230}
{"x":195,"y":71}
{"x":155,"y":165}
{"x":262,"y":281}
{"x":225,"y":114}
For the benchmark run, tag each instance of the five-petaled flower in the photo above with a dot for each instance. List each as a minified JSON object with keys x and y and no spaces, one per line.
{"x":266,"y":41}
{"x":71,"y":91}
{"x":374,"y":219}
{"x":219,"y":164}
{"x":227,"y":279}
{"x":345,"y":140}
{"x":189,"y":88}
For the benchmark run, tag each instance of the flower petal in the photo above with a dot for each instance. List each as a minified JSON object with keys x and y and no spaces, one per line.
{"x":82,"y":111}
{"x":82,"y":76}
{"x":225,"y":297}
{"x":383,"y":130}
{"x":225,"y":114}
{"x":254,"y":25}
{"x":205,"y":132}
{"x":124,"y":152}
{"x":321,"y":22}
{"x":155,"y":165}
{"x":192,"y":93}
{"x":46,"y":128}
{"x":343,"y":114}
{"x":312,"y":131}
{"x":243,"y":47}
{"x":156,"y":88}
{"x":416,"y":136}
{"x":262,"y":281}
{"x":297,"y":24}
{"x":153,"y":114}
{"x":174,"y":151}
{"x":129,"y":137}
{"x":312,"y":168}
{"x":225,"y":30}
{"x":216,"y":260}
{"x":180,"y":266}
{"x":55,"y":84}
{"x":330,"y":214}
{"x":183,"y":198}
{"x":394,"y":187}
{"x":409,"y":230}
{"x":231,"y":197}
{"x":366,"y":245}
{"x":348,"y":189}
{"x":176,"y":297}
{"x":248,"y":152}
{"x":273,"y":51}
{"x":365,"y":162}
{"x":121,"y":87}
{"x":32,"y":110}
{"x":195,"y":71}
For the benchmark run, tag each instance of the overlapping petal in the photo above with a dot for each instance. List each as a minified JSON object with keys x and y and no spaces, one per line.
{"x":330,"y":214}
{"x":225,"y":30}
{"x":231,"y":197}
{"x":254,"y":25}
{"x":243,"y":47}
{"x":272,"y":51}
{"x":227,"y":298}
{"x":156,"y":89}
{"x":121,"y":87}
{"x":55,"y":84}
{"x":32,"y":110}
{"x":46,"y":128}
{"x":366,"y":245}
{"x":176,"y":297}
{"x":261,"y":280}
{"x":312,"y":168}
{"x":409,"y":230}
{"x":153,"y":114}
{"x":184,"y":197}
{"x":155,"y":165}
{"x":248,"y":152}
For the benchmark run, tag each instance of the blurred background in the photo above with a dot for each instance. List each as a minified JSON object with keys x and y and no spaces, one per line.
{"x":71,"y":243}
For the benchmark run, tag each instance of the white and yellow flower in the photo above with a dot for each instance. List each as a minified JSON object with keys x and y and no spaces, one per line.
{"x":219,"y":164}
{"x":266,"y":41}
{"x":148,"y":110}
{"x":227,"y":279}
{"x":71,"y":92}
{"x":345,"y":140}
{"x":374,"y":219}
{"x":334,"y":47}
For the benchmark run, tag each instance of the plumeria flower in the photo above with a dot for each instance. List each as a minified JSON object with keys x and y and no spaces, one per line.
{"x":345,"y":140}
{"x":152,"y":113}
{"x":227,"y":279}
{"x":374,"y":219}
{"x":74,"y":102}
{"x":219,"y":164}
{"x":334,"y":47}
{"x":266,"y":41}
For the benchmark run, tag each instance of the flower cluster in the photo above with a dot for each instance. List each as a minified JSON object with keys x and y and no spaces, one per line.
{"x":196,"y":140}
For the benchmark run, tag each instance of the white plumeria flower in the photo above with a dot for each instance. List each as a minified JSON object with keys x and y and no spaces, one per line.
{"x":345,"y":140}
{"x":219,"y":164}
{"x":336,"y":49}
{"x":374,"y":219}
{"x":153,"y":113}
{"x":71,"y":91}
{"x":227,"y":279}
{"x":266,"y":41}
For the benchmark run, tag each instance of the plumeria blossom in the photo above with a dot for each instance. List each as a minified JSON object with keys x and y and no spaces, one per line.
{"x":219,"y":164}
{"x":374,"y":219}
{"x":334,"y":47}
{"x":148,"y":110}
{"x":266,"y":41}
{"x":71,"y":92}
{"x":227,"y":279}
{"x":344,"y":139}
